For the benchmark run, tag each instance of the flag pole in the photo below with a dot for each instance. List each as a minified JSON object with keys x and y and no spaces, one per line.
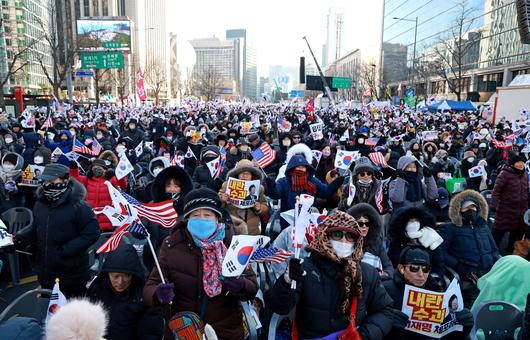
{"x":296,"y":248}
{"x":154,"y":254}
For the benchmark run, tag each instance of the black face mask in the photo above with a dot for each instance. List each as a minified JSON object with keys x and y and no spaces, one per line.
{"x":469,"y":216}
{"x":518,"y":171}
{"x":53,"y":191}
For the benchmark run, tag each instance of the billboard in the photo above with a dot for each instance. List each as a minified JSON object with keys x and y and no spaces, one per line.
{"x":103,"y":34}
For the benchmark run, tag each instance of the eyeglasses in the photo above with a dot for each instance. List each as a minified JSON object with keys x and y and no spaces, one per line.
{"x":365,"y":174}
{"x":297,"y":137}
{"x":338,"y":235}
{"x":363,"y":224}
{"x":414,"y":268}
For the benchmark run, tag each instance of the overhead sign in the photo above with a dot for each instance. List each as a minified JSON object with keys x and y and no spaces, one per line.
{"x":341,"y":83}
{"x":315,"y":83}
{"x":100,"y":60}
{"x":102,"y":34}
{"x":296,"y":94}
{"x":84,"y":73}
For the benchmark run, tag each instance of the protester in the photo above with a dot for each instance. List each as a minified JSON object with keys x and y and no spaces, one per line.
{"x":191,"y":258}
{"x":64,"y":228}
{"x":333,"y":285}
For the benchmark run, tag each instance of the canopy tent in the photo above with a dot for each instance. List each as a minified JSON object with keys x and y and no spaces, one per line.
{"x":453,"y":105}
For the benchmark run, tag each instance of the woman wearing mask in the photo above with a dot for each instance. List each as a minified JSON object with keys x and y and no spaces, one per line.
{"x":65,"y":144}
{"x":510,"y":200}
{"x":97,"y":192}
{"x":191,"y":258}
{"x":40,"y":158}
{"x":238,"y":152}
{"x":202,"y":176}
{"x":326,"y":164}
{"x":281,"y":152}
{"x":173,"y":183}
{"x":11,"y":174}
{"x":366,"y":185}
{"x":415,"y":149}
{"x":408,"y":188}
{"x":336,"y":294}
{"x":12,"y":144}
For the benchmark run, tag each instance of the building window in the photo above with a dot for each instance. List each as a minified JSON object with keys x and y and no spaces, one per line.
{"x":489,"y":82}
{"x":86,"y":8}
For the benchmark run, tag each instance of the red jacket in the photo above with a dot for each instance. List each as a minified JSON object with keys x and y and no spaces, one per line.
{"x":98,"y":194}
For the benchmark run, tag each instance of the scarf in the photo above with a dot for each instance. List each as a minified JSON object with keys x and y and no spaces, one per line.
{"x":213,"y":251}
{"x":351,"y":273}
{"x":300,"y":182}
{"x":415,"y":187}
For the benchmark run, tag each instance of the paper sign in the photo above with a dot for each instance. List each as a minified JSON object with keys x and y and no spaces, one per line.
{"x":445,"y":175}
{"x":316,"y":130}
{"x":429,"y":135}
{"x":30,"y":175}
{"x":432,"y":313}
{"x":477,"y":171}
{"x":6,"y":239}
{"x":243,"y":194}
{"x":239,"y":253}
{"x":247,"y":128}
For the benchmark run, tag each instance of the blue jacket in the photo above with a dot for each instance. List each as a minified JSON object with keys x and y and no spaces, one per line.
{"x":30,"y":140}
{"x":282,"y":189}
{"x":65,"y":146}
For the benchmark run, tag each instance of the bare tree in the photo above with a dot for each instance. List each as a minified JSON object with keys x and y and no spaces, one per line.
{"x":102,"y":81}
{"x":209,"y":82}
{"x":121,"y":80}
{"x":155,"y":77}
{"x":368,"y":78}
{"x":62,"y":53}
{"x":453,"y":50}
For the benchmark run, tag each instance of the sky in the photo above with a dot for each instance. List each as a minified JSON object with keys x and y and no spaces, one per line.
{"x":275,"y":27}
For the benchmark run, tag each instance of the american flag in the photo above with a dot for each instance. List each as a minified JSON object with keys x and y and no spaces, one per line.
{"x":161,"y":213}
{"x":81,"y":148}
{"x":274,"y":255}
{"x":498,"y":145}
{"x":135,"y":228}
{"x":378,"y":159}
{"x":96,"y":147}
{"x":379,"y":199}
{"x":372,"y":141}
{"x":48,"y":123}
{"x":264,"y":155}
{"x":177,"y":160}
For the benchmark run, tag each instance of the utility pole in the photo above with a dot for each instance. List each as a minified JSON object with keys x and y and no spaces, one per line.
{"x":326,"y":86}
{"x":414,"y":52}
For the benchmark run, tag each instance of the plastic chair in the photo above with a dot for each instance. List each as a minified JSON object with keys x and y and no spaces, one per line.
{"x":93,"y":264}
{"x":30,"y":304}
{"x":497,"y":319}
{"x":253,"y":332}
{"x":275,"y":322}
{"x":16,"y":219}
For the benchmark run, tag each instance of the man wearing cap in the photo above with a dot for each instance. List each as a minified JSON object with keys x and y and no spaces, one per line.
{"x":413,"y":269}
{"x":64,"y":228}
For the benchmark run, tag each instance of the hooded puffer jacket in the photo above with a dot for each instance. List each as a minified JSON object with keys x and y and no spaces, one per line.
{"x":468,"y":247}
{"x":64,"y":145}
{"x":98,"y":193}
{"x":125,"y":309}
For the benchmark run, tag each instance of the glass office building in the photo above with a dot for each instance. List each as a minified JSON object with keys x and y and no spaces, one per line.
{"x":493,"y":54}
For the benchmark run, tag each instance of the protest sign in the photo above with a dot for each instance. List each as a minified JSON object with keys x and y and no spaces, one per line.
{"x":247,"y":128}
{"x":243,"y":194}
{"x":316,"y":130}
{"x":428,"y":136}
{"x":239,"y":253}
{"x":30,"y":176}
{"x":432,"y":313}
{"x":6,"y":239}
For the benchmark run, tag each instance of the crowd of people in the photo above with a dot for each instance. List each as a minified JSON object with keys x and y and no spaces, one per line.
{"x":425,"y":198}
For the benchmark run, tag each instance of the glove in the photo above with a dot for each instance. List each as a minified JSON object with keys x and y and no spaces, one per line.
{"x":427,"y":172}
{"x":399,"y":319}
{"x":430,"y":238}
{"x":10,"y":186}
{"x":295,"y":271}
{"x":73,"y":165}
{"x":109,"y":174}
{"x":465,"y":318}
{"x":233,"y":284}
{"x":400,"y":173}
{"x":165,"y":292}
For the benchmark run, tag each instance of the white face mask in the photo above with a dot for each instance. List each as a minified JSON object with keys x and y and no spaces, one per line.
{"x":243,"y":148}
{"x":9,"y":140}
{"x":120,"y":149}
{"x":8,"y":167}
{"x":98,"y":136}
{"x":471,"y":159}
{"x":73,"y":133}
{"x":342,"y":249}
{"x":38,"y":160}
{"x":412,"y":229}
{"x":156,"y":171}
{"x":203,"y":130}
{"x":286,"y":143}
{"x":366,"y":181}
{"x":360,"y":140}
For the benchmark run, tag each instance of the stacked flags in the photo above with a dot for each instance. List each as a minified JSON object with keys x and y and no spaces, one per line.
{"x":378,"y":159}
{"x":81,"y":148}
{"x":161,"y":213}
{"x":96,"y":147}
{"x":274,"y":255}
{"x":135,"y":228}
{"x":48,"y":123}
{"x":264,"y":155}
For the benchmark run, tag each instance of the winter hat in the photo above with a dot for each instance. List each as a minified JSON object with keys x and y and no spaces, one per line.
{"x":415,"y":255}
{"x":202,"y":198}
{"x":482,"y":145}
{"x":468,"y":154}
{"x":99,"y":162}
{"x":443,"y":197}
{"x":209,"y":151}
{"x":514,"y":158}
{"x":242,"y":141}
{"x":79,"y":319}
{"x":363,"y":163}
{"x":253,"y":138}
{"x":467,"y":203}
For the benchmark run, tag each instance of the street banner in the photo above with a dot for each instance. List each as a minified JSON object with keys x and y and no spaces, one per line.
{"x":431,"y":313}
{"x":30,"y":176}
{"x":243,"y":194}
{"x":239,"y":253}
{"x":140,"y":88}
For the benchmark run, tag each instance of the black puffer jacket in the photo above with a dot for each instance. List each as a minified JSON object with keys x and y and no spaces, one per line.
{"x":62,"y":232}
{"x":126,"y":309}
{"x":318,"y":297}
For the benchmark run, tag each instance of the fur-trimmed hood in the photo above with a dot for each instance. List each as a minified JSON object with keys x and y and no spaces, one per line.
{"x":159,"y":184}
{"x":162,"y":159}
{"x":374,"y":237}
{"x":434,"y":147}
{"x":299,"y":149}
{"x":110,"y":156}
{"x":400,"y":218}
{"x":456,"y":203}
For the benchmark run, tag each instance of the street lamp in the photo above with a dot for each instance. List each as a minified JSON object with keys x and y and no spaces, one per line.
{"x":415,"y":37}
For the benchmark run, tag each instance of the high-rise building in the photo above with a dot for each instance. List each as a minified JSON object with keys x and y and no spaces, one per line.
{"x":394,"y":62}
{"x":23,"y":24}
{"x":333,"y":48}
{"x":492,"y":52}
{"x":347,"y":66}
{"x":217,"y":59}
{"x":246,"y":68}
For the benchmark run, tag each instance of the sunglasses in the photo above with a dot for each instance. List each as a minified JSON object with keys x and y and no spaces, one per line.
{"x":297,"y":137}
{"x":338,"y":235}
{"x":414,"y":268}
{"x":363,"y":224}
{"x":365,"y":174}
